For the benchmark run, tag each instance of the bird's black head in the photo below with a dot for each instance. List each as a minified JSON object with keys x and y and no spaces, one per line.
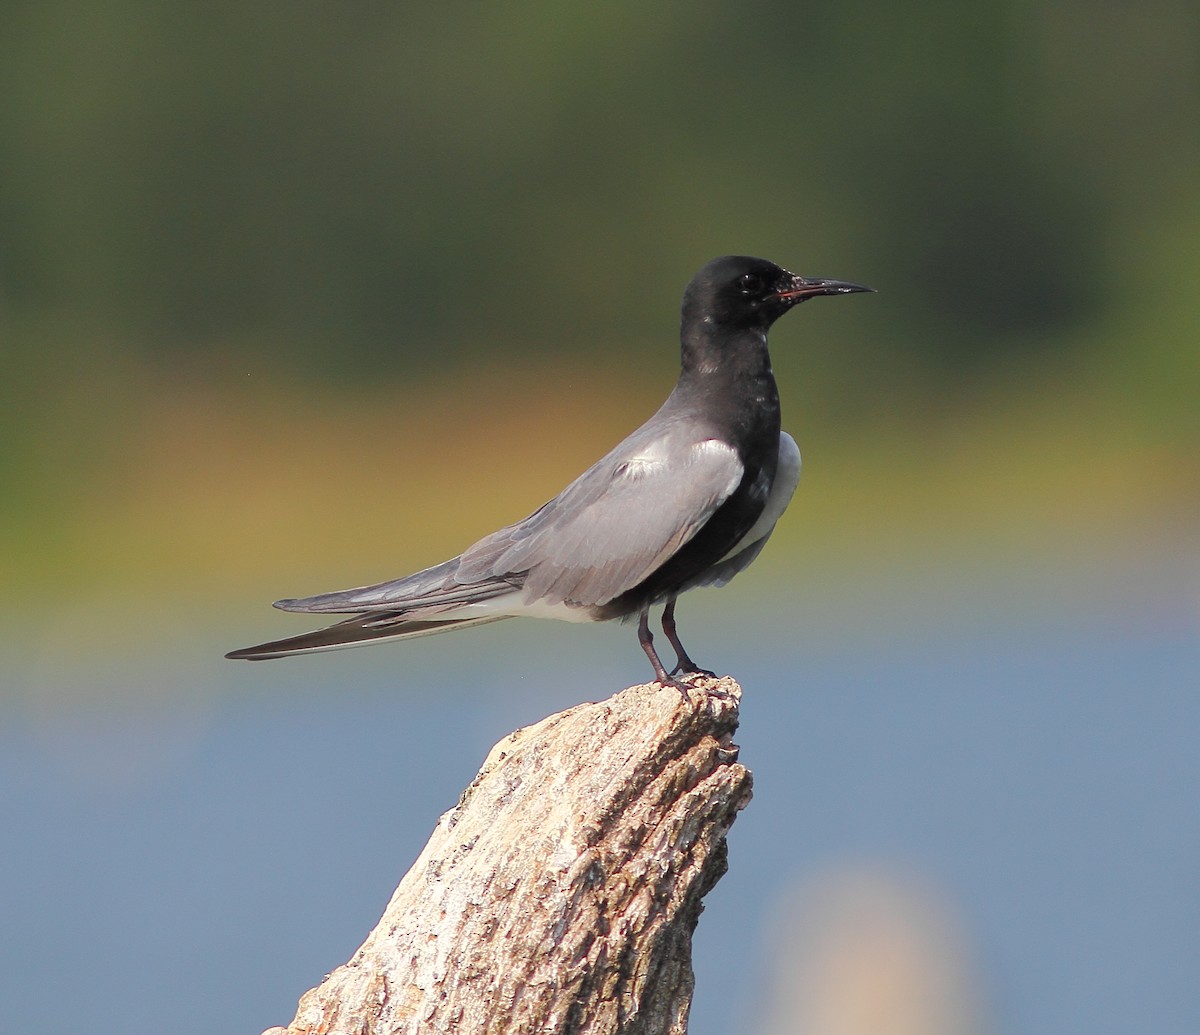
{"x":739,"y":292}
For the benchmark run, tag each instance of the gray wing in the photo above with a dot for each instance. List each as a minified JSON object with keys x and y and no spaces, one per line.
{"x":432,"y":591}
{"x":602,"y":535}
{"x":615,"y":524}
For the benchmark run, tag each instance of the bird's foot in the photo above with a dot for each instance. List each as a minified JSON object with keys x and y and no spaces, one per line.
{"x":692,"y":672}
{"x":690,"y":668}
{"x":716,"y":691}
{"x":684,"y":688}
{"x":686,"y":682}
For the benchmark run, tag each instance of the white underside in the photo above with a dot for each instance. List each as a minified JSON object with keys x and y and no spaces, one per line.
{"x":514,"y":605}
{"x":783,"y":488}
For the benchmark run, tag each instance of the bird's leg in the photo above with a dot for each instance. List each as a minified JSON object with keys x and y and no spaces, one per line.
{"x":647,"y":642}
{"x":686,"y":666}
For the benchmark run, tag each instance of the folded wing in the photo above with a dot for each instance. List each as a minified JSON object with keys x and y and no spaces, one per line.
{"x":605,"y":533}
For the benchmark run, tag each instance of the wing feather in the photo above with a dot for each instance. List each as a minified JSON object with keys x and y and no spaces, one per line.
{"x":615,"y":525}
{"x":604,"y":534}
{"x":431,"y":591}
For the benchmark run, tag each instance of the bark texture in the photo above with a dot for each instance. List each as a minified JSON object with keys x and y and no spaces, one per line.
{"x":560,"y":894}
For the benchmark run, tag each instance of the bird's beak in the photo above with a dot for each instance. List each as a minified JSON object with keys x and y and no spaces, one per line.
{"x":806,"y":287}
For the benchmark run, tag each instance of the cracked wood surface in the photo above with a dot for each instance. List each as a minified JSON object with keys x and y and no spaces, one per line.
{"x":560,"y":894}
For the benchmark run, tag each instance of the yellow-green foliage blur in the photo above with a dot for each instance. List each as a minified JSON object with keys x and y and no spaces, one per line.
{"x":295,"y":297}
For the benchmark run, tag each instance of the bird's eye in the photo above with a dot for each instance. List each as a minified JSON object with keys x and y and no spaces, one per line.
{"x":751,"y":284}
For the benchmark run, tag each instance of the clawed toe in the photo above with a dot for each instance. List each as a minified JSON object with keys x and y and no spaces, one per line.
{"x":684,"y":688}
{"x":692,"y":670}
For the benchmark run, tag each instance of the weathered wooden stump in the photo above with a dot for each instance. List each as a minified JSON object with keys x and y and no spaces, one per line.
{"x":560,"y":894}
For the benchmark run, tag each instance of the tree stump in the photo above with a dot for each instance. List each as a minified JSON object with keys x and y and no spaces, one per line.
{"x":561,"y":892}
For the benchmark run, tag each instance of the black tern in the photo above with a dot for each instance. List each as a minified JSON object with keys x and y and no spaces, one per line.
{"x":689,"y":499}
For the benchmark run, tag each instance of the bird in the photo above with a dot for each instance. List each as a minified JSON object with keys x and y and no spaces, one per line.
{"x":689,"y":499}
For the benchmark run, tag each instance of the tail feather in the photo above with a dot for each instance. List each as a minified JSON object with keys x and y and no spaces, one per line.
{"x":430,"y":590}
{"x":354,"y":632}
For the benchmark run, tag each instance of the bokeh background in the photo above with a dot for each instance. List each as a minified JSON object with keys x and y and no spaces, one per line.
{"x":294,"y":299}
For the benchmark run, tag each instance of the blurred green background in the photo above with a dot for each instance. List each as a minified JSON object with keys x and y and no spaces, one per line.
{"x":294,"y":298}
{"x":262,"y":271}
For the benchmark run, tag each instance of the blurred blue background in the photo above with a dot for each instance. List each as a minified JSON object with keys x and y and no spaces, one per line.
{"x":296,"y":300}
